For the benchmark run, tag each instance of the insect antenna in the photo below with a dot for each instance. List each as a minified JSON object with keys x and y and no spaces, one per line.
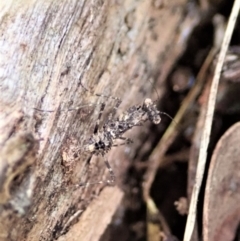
{"x":156,"y":102}
{"x":166,"y":114}
{"x":155,"y":89}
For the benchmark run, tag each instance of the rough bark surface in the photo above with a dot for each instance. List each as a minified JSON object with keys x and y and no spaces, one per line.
{"x":48,"y":50}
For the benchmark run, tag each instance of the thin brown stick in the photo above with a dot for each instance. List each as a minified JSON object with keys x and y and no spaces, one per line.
{"x":172,"y":131}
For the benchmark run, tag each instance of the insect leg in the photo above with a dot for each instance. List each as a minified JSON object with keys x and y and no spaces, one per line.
{"x":127,"y":141}
{"x":65,"y":110}
{"x":111,"y":181}
{"x":99,"y":117}
{"x":118,"y":101}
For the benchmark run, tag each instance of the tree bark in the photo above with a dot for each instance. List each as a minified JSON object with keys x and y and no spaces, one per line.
{"x":48,"y":50}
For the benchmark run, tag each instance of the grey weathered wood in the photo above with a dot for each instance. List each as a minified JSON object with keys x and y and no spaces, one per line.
{"x":47,"y":48}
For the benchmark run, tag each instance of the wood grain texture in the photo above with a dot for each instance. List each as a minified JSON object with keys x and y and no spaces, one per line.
{"x":47,"y":50}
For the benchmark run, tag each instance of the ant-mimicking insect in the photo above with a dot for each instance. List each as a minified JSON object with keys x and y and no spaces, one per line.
{"x":103,"y":139}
